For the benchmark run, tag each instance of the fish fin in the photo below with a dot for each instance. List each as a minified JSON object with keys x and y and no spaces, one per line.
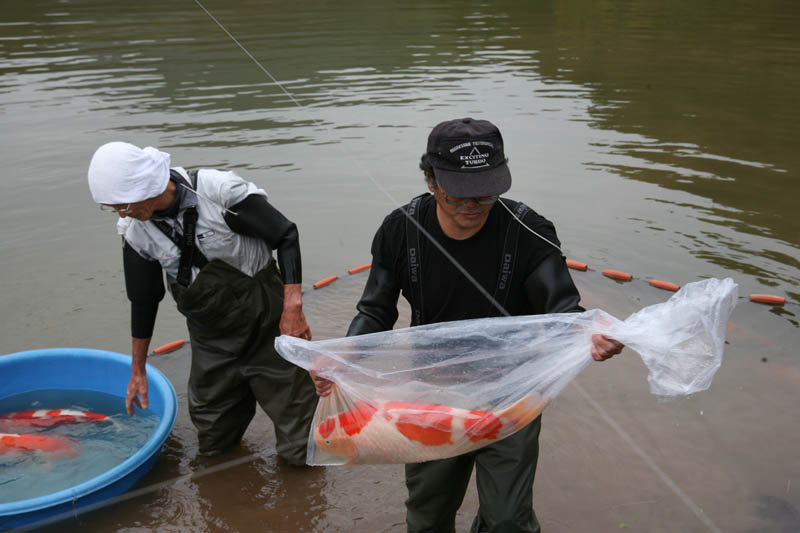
{"x":482,"y":425}
{"x":428,"y":424}
{"x":354,"y":420}
{"x":429,"y":435}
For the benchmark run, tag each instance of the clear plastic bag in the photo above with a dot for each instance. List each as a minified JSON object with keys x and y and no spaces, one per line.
{"x":436,"y":391}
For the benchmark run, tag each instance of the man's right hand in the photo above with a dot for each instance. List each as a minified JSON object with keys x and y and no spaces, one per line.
{"x":322,"y":385}
{"x":137,"y":392}
{"x":137,"y":386}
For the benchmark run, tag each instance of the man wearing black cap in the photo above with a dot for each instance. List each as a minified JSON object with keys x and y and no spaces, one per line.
{"x":459,"y":253}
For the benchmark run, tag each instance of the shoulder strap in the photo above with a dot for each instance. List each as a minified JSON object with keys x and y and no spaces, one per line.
{"x":507,"y":259}
{"x":414,"y":259}
{"x":190,"y":255}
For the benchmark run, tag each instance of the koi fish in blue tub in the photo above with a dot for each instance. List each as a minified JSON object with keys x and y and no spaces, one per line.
{"x":33,"y":443}
{"x":55,"y":439}
{"x":51,"y":417}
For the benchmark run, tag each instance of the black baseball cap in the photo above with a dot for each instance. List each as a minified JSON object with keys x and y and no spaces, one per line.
{"x":467,"y":158}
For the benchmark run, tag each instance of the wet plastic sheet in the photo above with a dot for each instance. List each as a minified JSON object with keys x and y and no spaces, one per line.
{"x":436,"y":391}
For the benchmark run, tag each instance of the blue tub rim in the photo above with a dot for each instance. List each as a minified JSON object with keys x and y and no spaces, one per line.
{"x":156,"y":381}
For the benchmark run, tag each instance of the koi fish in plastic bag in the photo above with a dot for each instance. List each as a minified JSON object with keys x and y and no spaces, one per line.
{"x":441,"y":390}
{"x":405,"y":432}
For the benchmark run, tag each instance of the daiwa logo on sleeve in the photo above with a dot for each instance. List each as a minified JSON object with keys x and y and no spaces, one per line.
{"x":473,"y":154}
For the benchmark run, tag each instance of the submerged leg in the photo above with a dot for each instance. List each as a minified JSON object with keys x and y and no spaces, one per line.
{"x":286,"y":393}
{"x":221,"y":406}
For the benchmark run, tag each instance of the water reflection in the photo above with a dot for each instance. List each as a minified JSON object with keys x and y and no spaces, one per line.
{"x":712,"y":87}
{"x":261,"y":491}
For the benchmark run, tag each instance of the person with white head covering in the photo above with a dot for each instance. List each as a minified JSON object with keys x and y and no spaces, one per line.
{"x":211,"y":234}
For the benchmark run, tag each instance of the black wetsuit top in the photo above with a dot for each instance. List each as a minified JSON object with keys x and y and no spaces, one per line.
{"x":540,"y":281}
{"x":255,"y":217}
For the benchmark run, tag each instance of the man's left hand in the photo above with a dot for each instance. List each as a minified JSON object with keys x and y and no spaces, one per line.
{"x":604,"y":347}
{"x":293,"y":321}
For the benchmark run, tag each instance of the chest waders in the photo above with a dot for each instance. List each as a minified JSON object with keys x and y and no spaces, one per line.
{"x":233,"y":320}
{"x":505,"y":470}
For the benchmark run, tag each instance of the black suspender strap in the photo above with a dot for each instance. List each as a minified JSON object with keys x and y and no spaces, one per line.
{"x":188,"y":249}
{"x":190,"y":255}
{"x":507,"y":261}
{"x":414,"y":259}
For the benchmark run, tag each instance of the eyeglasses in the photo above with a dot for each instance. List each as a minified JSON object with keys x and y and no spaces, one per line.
{"x":111,"y":209}
{"x":481,"y":200}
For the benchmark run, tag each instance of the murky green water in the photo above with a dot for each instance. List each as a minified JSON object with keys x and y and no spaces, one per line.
{"x":660,"y":137}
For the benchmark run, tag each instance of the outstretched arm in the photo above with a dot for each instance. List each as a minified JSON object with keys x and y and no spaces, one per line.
{"x":377,"y":308}
{"x":377,"y":311}
{"x":145,"y":288}
{"x":550,"y":289}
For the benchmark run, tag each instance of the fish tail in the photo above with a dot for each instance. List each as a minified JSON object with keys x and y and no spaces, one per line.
{"x":524,"y":411}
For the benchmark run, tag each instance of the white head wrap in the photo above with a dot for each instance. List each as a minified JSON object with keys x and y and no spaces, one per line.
{"x":121,"y":173}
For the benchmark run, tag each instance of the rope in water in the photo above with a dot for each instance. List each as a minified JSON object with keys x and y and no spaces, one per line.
{"x":617,"y":275}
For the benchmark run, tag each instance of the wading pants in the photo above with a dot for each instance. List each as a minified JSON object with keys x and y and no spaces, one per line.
{"x":233,"y":321}
{"x":504,"y":475}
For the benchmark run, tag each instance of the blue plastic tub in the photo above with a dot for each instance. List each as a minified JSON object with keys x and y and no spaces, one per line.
{"x":84,"y":369}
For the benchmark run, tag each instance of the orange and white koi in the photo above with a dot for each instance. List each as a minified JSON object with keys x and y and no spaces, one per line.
{"x":411,"y":432}
{"x":28,"y":442}
{"x":51,"y":417}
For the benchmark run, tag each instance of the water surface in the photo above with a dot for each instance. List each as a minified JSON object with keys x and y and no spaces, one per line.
{"x":659,"y":137}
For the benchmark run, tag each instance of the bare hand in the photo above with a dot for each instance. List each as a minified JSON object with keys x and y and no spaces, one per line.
{"x":604,"y":347}
{"x":293,"y":321}
{"x":137,"y":392}
{"x":322,"y":385}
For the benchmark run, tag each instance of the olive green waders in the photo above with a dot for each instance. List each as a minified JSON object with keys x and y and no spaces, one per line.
{"x":504,"y":476}
{"x":233,"y":321}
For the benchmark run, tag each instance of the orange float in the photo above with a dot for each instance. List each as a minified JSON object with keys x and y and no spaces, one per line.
{"x":666,"y":285}
{"x":325,"y":281}
{"x":768,"y":299}
{"x":617,"y":275}
{"x":360,"y":268}
{"x":169,"y":347}
{"x":577,"y":265}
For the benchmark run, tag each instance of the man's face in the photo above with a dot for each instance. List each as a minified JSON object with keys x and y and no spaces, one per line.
{"x":463,"y":220}
{"x":139,"y":210}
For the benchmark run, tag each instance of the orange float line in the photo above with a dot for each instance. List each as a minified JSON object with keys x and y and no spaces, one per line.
{"x":577,"y":265}
{"x":666,"y":285}
{"x":325,"y":281}
{"x":768,"y":299}
{"x":169,"y":347}
{"x":618,"y":275}
{"x":360,"y":268}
